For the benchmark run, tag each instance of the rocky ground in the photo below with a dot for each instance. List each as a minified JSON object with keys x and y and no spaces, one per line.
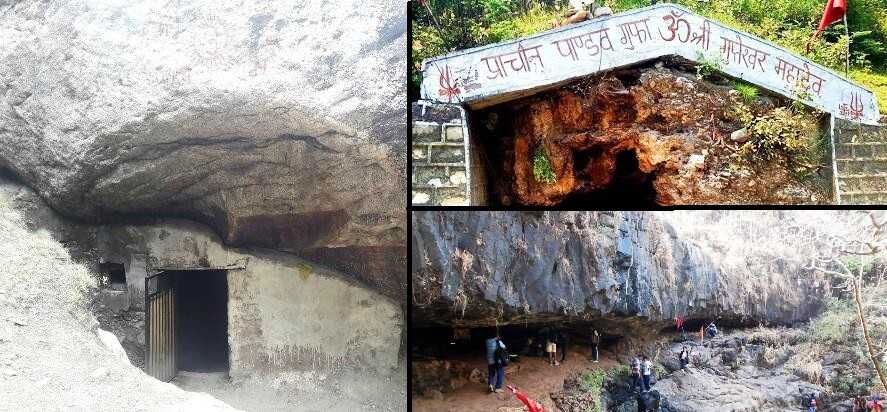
{"x":748,"y":370}
{"x":741,"y":371}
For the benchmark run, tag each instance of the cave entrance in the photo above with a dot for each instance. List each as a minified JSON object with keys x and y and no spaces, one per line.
{"x":186,"y":325}
{"x":629,"y":186}
{"x":445,"y":358}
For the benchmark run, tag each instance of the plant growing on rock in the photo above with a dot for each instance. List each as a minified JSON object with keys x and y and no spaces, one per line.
{"x":706,"y":66}
{"x":747,"y":92}
{"x":542,"y":170}
{"x":787,"y":135}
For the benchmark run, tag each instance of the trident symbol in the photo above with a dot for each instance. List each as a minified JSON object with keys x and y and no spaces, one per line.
{"x":447,"y":87}
{"x":855,"y":109}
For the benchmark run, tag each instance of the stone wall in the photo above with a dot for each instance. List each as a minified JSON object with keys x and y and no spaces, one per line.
{"x":440,"y":166}
{"x":283,"y":313}
{"x":861,"y":161}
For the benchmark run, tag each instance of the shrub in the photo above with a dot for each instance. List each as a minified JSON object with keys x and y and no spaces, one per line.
{"x":787,"y":135}
{"x":706,"y":66}
{"x":593,"y":381}
{"x":747,"y":92}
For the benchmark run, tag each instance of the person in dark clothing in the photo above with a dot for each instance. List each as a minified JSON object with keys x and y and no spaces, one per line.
{"x":595,"y":343}
{"x":636,"y":377}
{"x":561,"y":340}
{"x":497,"y":358}
{"x":711,"y":330}
{"x":684,"y":357}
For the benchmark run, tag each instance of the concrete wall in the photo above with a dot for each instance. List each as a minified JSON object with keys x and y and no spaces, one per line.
{"x":284,"y":313}
{"x":494,"y":73}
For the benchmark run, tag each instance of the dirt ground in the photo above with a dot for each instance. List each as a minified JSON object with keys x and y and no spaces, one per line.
{"x":301,"y":391}
{"x":534,"y":376}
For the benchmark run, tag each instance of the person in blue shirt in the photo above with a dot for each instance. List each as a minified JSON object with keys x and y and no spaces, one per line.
{"x":497,"y":358}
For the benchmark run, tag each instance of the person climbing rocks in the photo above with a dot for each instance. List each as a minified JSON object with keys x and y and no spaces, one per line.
{"x":876,"y":403}
{"x":595,"y":344}
{"x":647,"y":369}
{"x":532,"y":405}
{"x":561,"y":340}
{"x":711,"y":330}
{"x":637,"y":382}
{"x":497,"y":359}
{"x":684,"y":357}
{"x":859,"y":403}
{"x":551,"y":349}
{"x":811,"y":402}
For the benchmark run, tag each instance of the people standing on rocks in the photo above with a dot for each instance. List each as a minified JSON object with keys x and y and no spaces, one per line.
{"x":637,"y":379}
{"x":859,"y":403}
{"x":647,"y":369}
{"x":712,"y":330}
{"x":679,"y":326}
{"x":595,"y":344}
{"x":497,"y":359}
{"x":551,"y":348}
{"x":811,"y":402}
{"x":684,"y":357}
{"x":561,"y":340}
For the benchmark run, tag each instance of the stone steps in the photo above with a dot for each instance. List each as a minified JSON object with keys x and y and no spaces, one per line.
{"x":861,"y":161}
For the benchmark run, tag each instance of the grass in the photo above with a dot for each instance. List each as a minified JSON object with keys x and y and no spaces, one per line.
{"x":747,"y":92}
{"x":876,"y":82}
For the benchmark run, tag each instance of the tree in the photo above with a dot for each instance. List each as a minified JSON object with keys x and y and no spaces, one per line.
{"x":847,"y":256}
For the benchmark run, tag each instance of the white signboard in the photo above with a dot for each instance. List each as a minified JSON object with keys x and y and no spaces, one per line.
{"x":506,"y":69}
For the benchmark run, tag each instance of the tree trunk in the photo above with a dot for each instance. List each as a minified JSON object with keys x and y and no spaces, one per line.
{"x":865,"y":333}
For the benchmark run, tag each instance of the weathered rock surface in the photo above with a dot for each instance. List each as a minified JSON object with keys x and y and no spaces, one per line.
{"x":727,"y":373}
{"x":279,"y":124}
{"x":476,"y":268}
{"x":633,"y":137}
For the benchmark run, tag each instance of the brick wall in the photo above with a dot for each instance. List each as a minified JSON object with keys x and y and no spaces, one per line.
{"x":440,"y":169}
{"x":861,"y":161}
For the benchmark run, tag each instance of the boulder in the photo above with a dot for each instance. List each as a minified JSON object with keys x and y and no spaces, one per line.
{"x":278,"y":125}
{"x":740,"y":136}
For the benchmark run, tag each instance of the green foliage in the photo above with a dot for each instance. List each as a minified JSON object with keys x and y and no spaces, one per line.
{"x":535,"y":20}
{"x":835,"y":324}
{"x":542,"y":171}
{"x":706,"y":66}
{"x":593,"y":381}
{"x":851,"y":383}
{"x":786,"y":135}
{"x":876,"y":82}
{"x":747,"y":92}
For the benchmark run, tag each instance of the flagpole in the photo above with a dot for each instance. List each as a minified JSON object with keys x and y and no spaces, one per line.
{"x":847,"y":33}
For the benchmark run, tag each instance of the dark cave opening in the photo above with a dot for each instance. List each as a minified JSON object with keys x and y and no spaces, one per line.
{"x":629,"y":186}
{"x":522,"y":340}
{"x":201,"y":315}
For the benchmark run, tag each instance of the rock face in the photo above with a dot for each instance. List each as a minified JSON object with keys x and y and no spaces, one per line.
{"x":631,"y":268}
{"x":635,"y":136}
{"x":280,"y":125}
